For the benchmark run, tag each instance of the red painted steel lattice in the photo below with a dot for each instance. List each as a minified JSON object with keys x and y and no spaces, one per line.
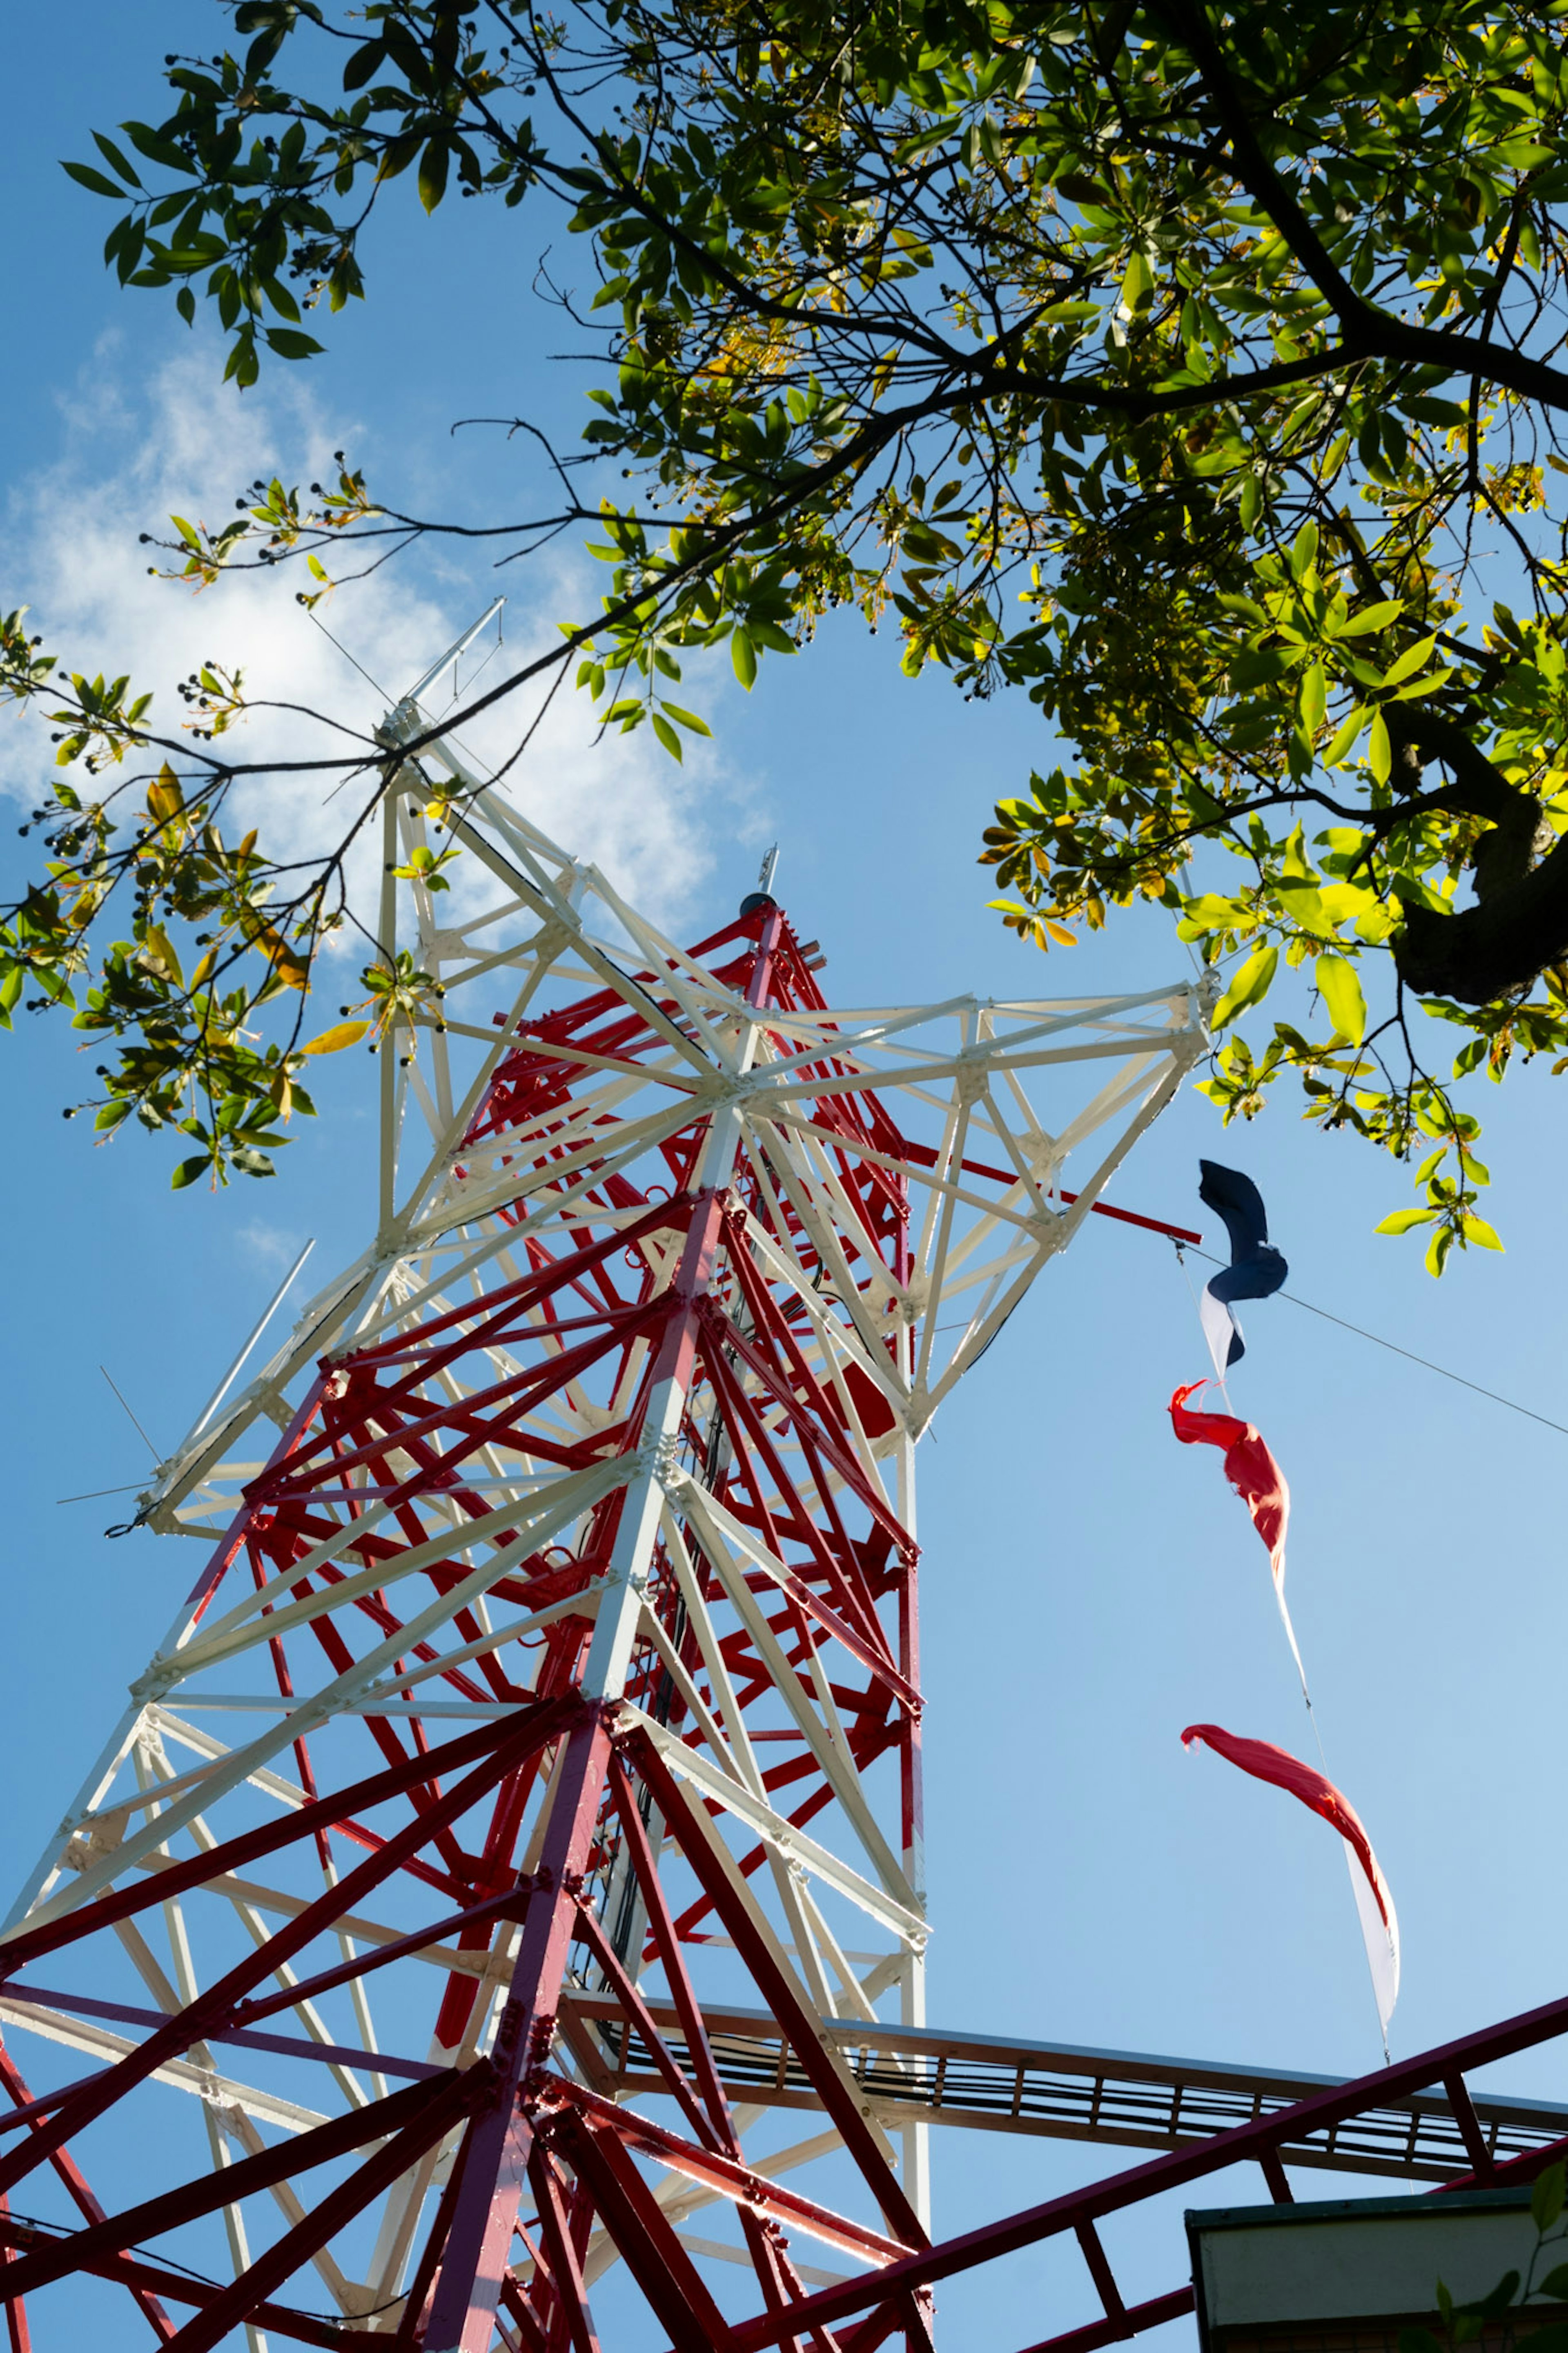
{"x":553,"y":1687}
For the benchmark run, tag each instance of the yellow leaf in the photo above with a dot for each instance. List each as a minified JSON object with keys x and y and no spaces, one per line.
{"x":1477,"y":1230}
{"x":1060,"y":934}
{"x":157,"y":949}
{"x":164,"y":798}
{"x":290,"y":969}
{"x":334,"y":1041}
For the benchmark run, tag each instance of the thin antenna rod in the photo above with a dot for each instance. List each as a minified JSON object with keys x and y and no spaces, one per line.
{"x":453,"y":652}
{"x":146,"y":1441}
{"x":769,"y":868}
{"x":233,"y":1369}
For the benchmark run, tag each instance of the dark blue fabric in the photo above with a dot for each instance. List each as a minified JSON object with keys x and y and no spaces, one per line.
{"x":1256,"y":1268}
{"x":1250,"y":1278}
{"x":1236,"y":1199}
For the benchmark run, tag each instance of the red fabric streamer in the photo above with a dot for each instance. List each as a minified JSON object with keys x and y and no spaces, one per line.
{"x":1267,"y":1763}
{"x":1248,"y":1465}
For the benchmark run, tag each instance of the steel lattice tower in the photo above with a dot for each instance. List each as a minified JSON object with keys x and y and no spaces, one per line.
{"x":520,"y":1822}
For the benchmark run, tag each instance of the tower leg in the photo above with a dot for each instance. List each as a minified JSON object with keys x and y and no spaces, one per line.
{"x":493,"y":2164}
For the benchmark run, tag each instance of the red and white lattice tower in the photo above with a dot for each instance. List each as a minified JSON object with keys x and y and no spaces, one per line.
{"x":524,"y":1811}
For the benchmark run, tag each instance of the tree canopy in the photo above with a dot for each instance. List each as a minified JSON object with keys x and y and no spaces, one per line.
{"x":1196,"y":371}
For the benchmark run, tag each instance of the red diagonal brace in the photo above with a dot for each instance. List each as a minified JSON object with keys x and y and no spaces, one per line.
{"x":801,"y":2028}
{"x":323,"y":2222}
{"x":215,"y":2007}
{"x":70,"y":2174}
{"x":645,"y":2238}
{"x":668,"y":1945}
{"x":234,"y":1854}
{"x":227,"y":2186}
{"x":566,"y":2270}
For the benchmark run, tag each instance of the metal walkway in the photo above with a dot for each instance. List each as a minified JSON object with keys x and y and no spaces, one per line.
{"x":1123,"y":2099}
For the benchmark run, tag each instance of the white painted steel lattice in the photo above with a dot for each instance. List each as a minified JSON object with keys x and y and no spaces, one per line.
{"x":553,"y":1672}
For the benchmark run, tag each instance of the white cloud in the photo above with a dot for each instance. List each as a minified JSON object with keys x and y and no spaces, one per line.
{"x":69,"y":547}
{"x":272,"y":1246}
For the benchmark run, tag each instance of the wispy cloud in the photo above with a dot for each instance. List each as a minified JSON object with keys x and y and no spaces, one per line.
{"x":130,"y":456}
{"x":270,"y":1246}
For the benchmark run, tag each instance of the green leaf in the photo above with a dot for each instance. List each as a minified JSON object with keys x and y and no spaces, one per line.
{"x":292,"y":343}
{"x":365,"y":64}
{"x":1555,"y":2284}
{"x":1314,"y":699}
{"x":1497,"y":2301}
{"x":1251,"y":986}
{"x":1309,"y":906}
{"x":1379,"y":750}
{"x":1304,"y":551}
{"x":1371,"y":616}
{"x":1548,"y":2192}
{"x":156,"y":148}
{"x":1415,"y":658}
{"x":1339,"y":985}
{"x":116,"y":158}
{"x":99,"y":183}
{"x":1137,"y":284}
{"x":1344,"y":741}
{"x":1405,"y":1221}
{"x":189,"y":1170}
{"x":433,"y":166}
{"x":667,"y":737}
{"x":1477,"y":1230}
{"x":744,"y":654}
{"x":687,"y":718}
{"x":251,"y":1162}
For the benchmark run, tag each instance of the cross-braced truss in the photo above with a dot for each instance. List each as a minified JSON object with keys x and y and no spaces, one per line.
{"x":553,"y":1673}
{"x":520,"y":1825}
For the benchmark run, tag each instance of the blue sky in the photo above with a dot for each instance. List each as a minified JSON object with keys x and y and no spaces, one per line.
{"x":1090,"y":1587}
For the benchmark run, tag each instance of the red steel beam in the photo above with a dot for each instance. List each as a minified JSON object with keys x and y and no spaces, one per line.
{"x":149,"y":2278}
{"x":495,"y":2156}
{"x":1253,"y":2141}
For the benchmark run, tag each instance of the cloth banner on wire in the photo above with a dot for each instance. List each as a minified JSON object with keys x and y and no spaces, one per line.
{"x":1374,"y":1904}
{"x":1256,"y":1268}
{"x":1257,"y":1480}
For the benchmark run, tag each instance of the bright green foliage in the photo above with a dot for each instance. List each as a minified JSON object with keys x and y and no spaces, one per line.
{"x":1194,"y":372}
{"x":1516,"y":2296}
{"x":187,"y":1056}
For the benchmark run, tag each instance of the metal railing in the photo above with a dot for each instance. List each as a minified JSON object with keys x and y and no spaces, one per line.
{"x":1058,"y":2091}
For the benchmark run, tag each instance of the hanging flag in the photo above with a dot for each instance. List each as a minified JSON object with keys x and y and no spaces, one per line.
{"x":1255,"y":1267}
{"x":1374,"y":1904}
{"x":1257,"y":1480}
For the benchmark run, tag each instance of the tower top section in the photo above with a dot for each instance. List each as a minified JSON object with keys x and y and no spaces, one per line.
{"x":556,"y":1056}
